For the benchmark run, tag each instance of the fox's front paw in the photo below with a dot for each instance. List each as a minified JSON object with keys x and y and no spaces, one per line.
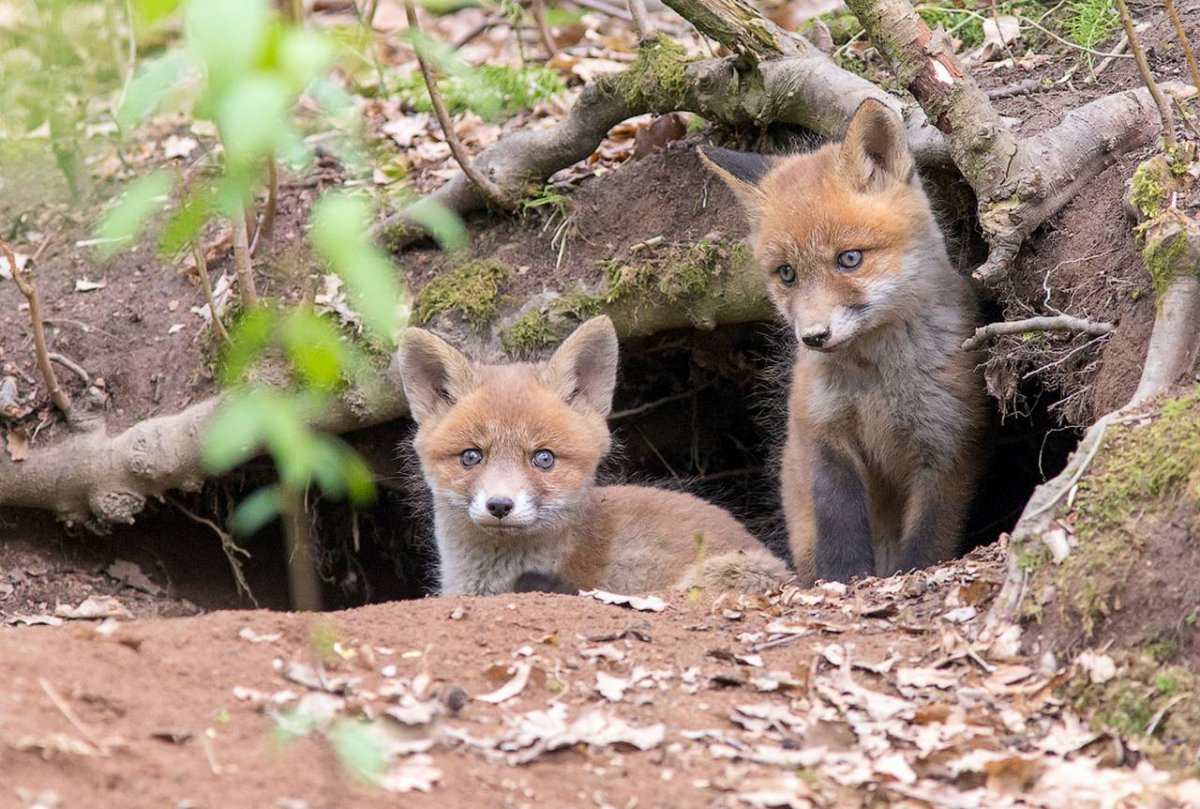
{"x":538,"y":582}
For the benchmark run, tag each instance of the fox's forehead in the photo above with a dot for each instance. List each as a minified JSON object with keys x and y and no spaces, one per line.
{"x":512,"y":409}
{"x":812,"y":208}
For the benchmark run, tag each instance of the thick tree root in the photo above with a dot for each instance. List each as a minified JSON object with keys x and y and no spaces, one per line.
{"x":92,"y":479}
{"x":1019,"y":182}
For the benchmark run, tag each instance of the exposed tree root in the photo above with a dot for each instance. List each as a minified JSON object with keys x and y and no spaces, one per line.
{"x":93,"y":479}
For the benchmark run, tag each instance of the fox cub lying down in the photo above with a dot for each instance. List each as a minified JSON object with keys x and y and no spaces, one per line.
{"x":886,"y":408}
{"x":511,"y":452}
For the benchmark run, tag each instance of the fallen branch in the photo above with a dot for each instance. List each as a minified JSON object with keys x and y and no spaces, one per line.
{"x":71,"y":366}
{"x":28,"y":287}
{"x":492,"y":192}
{"x":1058,"y":323}
{"x":1019,"y":182}
{"x":1139,"y":56}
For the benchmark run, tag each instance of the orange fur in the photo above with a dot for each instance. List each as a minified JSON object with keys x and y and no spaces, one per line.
{"x":624,"y":538}
{"x":881,"y":385}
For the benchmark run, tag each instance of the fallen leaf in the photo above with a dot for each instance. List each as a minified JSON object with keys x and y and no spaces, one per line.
{"x":35,"y":620}
{"x":641,"y":603}
{"x":1100,"y":668}
{"x":175,"y":146}
{"x":960,"y":615}
{"x":18,"y":444}
{"x":510,"y":689}
{"x":248,"y":634}
{"x":94,"y":607}
{"x":610,"y":687}
{"x":414,"y":773}
{"x":84,"y":285}
{"x":129,"y":573}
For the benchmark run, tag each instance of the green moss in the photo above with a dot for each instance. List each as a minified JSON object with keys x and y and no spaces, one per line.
{"x":473,"y":289}
{"x":1141,"y":470}
{"x":494,"y":92}
{"x":543,"y":326}
{"x":1148,"y":189}
{"x":1163,"y":256}
{"x":656,"y":79}
{"x":676,"y":274}
{"x":1146,"y":701}
{"x":1163,"y":647}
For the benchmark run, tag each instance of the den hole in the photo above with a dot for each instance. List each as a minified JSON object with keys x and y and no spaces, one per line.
{"x":703,"y":412}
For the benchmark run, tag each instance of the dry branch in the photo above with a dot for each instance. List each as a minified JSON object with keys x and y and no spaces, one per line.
{"x":1184,"y":40}
{"x":492,"y":192}
{"x":1019,"y":182}
{"x":1164,"y":109}
{"x":1057,"y":323}
{"x":242,"y":264}
{"x":28,"y":287}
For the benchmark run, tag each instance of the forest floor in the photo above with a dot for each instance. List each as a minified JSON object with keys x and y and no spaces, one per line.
{"x":119,"y":692}
{"x":873,"y":694}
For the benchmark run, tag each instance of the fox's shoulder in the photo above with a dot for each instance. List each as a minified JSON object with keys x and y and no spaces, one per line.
{"x":652,"y":511}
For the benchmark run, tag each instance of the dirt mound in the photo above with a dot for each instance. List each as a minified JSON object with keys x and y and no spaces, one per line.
{"x":873,"y":689}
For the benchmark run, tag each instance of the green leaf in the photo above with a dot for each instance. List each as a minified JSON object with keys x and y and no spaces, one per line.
{"x":255,"y":511}
{"x":303,"y":56}
{"x":154,"y":80}
{"x":235,"y":432}
{"x":358,"y":748}
{"x":122,"y":223}
{"x":184,"y":226}
{"x":442,"y":223}
{"x":315,"y":349}
{"x":254,"y":119}
{"x":251,"y":334}
{"x":340,"y":235}
{"x":227,"y":36}
{"x":151,"y":11}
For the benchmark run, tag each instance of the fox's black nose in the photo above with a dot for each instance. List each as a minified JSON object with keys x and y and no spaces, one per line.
{"x":816,"y":336}
{"x":499,"y":507}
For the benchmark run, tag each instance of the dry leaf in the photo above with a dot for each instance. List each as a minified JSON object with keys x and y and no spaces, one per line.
{"x":18,"y":444}
{"x":94,"y":607}
{"x":84,"y":285}
{"x":129,"y":573}
{"x":510,"y":689}
{"x":642,"y":603}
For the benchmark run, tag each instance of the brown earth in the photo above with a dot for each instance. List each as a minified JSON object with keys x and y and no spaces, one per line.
{"x":160,"y":688}
{"x":875,"y":693}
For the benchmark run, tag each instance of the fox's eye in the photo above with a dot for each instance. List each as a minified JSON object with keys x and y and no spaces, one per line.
{"x":787,"y":274}
{"x":850,"y":260}
{"x":543,"y":459}
{"x":470,"y":457}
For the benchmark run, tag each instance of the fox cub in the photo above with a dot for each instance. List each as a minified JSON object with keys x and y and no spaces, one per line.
{"x":885,"y":407}
{"x":511,"y":452}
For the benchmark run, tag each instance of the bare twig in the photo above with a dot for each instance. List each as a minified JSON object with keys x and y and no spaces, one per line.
{"x":1139,"y":56}
{"x":1185,"y":41}
{"x":487,"y":187}
{"x":1059,"y":323}
{"x":641,"y":20}
{"x":266,"y":228}
{"x":1018,"y":89}
{"x":242,"y":264}
{"x":71,"y":366}
{"x":604,"y":8}
{"x":538,"y":9}
{"x":206,"y":285}
{"x":28,"y":287}
{"x":294,"y":11}
{"x":75,"y":721}
{"x":228,"y":546}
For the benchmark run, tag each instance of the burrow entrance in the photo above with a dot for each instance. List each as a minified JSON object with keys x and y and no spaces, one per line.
{"x":702,"y":412}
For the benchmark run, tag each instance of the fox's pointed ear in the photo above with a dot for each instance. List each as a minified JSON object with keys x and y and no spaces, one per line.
{"x":875,"y":153}
{"x":434,"y":374}
{"x":742,"y":172}
{"x":584,"y":368}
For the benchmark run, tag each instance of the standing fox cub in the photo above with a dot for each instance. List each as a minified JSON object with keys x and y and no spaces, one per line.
{"x":885,"y":407}
{"x":511,"y":453}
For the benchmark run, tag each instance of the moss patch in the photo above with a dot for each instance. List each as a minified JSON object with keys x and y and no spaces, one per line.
{"x":472,"y":289}
{"x":1164,"y":255}
{"x":1149,"y":187}
{"x":656,"y":78}
{"x":1141,"y":472}
{"x":675,"y":274}
{"x":1148,"y":701}
{"x":543,"y":326}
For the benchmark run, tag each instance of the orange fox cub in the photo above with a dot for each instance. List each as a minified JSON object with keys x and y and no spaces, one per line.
{"x":885,"y":407}
{"x":511,"y":452}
